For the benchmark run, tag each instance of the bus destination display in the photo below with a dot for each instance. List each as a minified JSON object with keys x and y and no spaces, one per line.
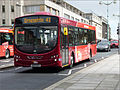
{"x":28,"y":20}
{"x":37,"y":20}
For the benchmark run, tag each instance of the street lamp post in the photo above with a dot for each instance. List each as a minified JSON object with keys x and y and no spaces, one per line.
{"x":118,"y":27}
{"x":108,"y":3}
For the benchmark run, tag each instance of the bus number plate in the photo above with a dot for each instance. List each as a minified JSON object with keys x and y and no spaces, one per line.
{"x":35,"y":65}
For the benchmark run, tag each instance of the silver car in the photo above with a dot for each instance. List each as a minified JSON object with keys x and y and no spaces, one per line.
{"x":103,"y":46}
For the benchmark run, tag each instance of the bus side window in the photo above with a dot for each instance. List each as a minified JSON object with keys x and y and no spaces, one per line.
{"x":85,"y":37}
{"x":7,"y":37}
{"x":2,"y":38}
{"x":71,"y":36}
{"x":81,"y":39}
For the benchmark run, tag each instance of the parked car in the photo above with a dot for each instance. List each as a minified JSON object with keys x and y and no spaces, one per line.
{"x":104,"y":40}
{"x":114,"y":43}
{"x":103,"y":46}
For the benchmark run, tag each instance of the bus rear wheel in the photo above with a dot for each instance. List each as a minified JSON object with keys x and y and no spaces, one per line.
{"x":7,"y":54}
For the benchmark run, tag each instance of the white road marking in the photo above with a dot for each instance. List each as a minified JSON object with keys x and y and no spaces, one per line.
{"x":85,"y":65}
{"x":102,"y":57}
{"x":95,"y":60}
{"x":70,"y":71}
{"x":17,"y":68}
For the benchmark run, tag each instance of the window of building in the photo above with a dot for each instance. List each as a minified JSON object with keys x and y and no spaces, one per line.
{"x":80,"y":14}
{"x":81,"y":20}
{"x":3,"y":21}
{"x":72,"y":18}
{"x":66,"y":16}
{"x":31,"y":9}
{"x":3,"y":8}
{"x":47,"y":9}
{"x":58,"y":13}
{"x":12,"y":21}
{"x":76,"y":19}
{"x":53,"y":11}
{"x":12,"y":8}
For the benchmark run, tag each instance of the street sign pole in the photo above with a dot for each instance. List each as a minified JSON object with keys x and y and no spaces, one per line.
{"x":119,"y":37}
{"x":119,"y":29}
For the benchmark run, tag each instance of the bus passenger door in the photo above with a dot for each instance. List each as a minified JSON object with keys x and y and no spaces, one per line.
{"x":64,"y":45}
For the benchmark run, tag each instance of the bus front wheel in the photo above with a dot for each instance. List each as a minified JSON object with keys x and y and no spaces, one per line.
{"x":7,"y":54}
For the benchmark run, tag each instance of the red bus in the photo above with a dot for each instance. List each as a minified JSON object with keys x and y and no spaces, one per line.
{"x":45,"y":40}
{"x":6,"y":42}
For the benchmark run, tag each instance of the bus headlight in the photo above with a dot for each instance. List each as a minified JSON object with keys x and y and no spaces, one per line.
{"x":16,"y":60}
{"x":55,"y":60}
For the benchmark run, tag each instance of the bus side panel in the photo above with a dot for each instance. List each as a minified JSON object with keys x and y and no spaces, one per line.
{"x":1,"y":54}
{"x":2,"y":51}
{"x":81,"y":53}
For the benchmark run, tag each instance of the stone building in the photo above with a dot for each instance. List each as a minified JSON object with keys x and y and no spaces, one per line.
{"x":10,"y":9}
{"x":96,"y":21}
{"x":105,"y":32}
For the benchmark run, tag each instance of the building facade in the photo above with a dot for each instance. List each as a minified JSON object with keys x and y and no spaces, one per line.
{"x":8,"y":12}
{"x":96,"y":21}
{"x":10,"y":9}
{"x":105,"y":32}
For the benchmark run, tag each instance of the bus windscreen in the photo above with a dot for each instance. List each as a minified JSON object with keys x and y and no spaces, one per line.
{"x":36,"y":34}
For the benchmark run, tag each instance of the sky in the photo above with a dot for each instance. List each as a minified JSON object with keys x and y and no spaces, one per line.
{"x":100,"y":10}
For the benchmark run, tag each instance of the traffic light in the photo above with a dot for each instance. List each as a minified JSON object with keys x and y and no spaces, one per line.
{"x":118,"y":30}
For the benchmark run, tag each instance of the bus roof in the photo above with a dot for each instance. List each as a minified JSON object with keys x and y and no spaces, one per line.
{"x":65,"y":21}
{"x":76,"y":24}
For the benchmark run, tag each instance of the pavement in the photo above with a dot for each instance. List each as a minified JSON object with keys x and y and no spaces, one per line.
{"x":103,"y":75}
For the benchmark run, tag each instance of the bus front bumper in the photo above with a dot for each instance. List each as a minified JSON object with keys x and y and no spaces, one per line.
{"x":37,"y":63}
